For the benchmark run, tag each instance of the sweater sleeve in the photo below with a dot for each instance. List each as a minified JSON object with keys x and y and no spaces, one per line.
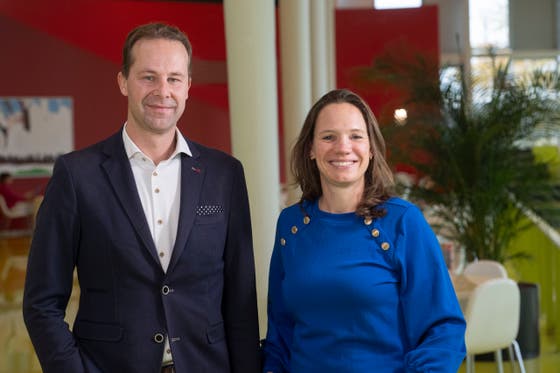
{"x":435,"y":326}
{"x":280,"y":326}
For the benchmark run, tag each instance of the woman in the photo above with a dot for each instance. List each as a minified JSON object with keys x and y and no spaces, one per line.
{"x":357,"y":279}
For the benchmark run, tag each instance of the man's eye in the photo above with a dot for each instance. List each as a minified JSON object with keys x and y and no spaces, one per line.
{"x":149,"y":78}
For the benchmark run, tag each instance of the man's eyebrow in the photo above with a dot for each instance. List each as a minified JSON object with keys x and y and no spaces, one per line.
{"x":150,"y":71}
{"x":177,"y":74}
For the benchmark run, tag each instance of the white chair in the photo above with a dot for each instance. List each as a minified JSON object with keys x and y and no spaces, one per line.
{"x":21,"y":210}
{"x":482,"y":270}
{"x":492,"y":316}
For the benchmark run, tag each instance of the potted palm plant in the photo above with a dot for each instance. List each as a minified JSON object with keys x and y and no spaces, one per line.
{"x":469,"y":145}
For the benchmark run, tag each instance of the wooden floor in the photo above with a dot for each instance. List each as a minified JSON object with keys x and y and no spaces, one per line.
{"x":16,"y":351}
{"x":548,"y":361}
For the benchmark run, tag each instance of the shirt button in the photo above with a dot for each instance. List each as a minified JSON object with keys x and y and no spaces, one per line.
{"x":294,"y":229}
{"x":160,"y":221}
{"x":368,"y":221}
{"x":165,"y":290}
{"x":306,"y":220}
{"x":158,"y":338}
{"x":282,"y":242}
{"x":161,"y":254}
{"x":156,"y":190}
{"x":168,"y":351}
{"x":375,"y":232}
{"x":385,"y":246}
{"x":155,"y":173}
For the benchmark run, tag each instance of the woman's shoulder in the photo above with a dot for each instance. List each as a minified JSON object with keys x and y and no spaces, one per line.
{"x":397,"y":203}
{"x":397,"y":207}
{"x":298,"y":214}
{"x":299,"y":209}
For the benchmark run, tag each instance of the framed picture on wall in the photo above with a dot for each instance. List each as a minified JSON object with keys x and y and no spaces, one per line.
{"x":33,"y":132}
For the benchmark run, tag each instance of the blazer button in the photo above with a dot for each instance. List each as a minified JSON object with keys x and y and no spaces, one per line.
{"x":158,"y":338}
{"x":165,"y":290}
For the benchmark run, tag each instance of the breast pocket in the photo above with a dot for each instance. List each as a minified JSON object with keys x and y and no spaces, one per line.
{"x":209,"y":214}
{"x":210,"y":219}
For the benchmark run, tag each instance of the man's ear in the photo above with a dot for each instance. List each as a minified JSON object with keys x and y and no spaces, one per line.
{"x":122,"y":83}
{"x":188,"y":87}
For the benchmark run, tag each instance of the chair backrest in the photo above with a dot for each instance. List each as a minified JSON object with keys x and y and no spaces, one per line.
{"x":492,"y":316}
{"x":4,"y":209}
{"x":13,"y":213}
{"x":485,"y":268}
{"x":16,"y":221}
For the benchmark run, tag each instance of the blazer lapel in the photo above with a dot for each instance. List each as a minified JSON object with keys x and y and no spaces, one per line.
{"x":192,"y":176}
{"x":117,"y":167}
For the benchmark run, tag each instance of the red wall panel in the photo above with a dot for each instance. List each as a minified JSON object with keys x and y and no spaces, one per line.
{"x":364,"y":34}
{"x":74,"y":49}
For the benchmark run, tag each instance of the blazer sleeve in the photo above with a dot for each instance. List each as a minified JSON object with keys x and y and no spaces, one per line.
{"x":49,"y":277}
{"x":239,"y":298}
{"x":435,"y":326}
{"x":280,"y":325}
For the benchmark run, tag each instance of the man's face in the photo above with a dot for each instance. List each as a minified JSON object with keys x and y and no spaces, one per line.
{"x":157,"y":85}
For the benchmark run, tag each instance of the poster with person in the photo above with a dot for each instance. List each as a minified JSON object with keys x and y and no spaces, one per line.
{"x":33,"y":132}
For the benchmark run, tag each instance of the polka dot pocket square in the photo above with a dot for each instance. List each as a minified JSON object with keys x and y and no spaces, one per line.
{"x":207,"y":210}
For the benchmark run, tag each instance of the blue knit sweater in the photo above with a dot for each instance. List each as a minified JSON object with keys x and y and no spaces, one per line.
{"x":349,"y":295}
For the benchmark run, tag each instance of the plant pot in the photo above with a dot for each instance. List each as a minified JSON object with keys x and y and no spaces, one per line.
{"x":528,"y":335}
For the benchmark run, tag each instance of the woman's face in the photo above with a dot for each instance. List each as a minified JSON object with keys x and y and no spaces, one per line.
{"x":341,"y":146}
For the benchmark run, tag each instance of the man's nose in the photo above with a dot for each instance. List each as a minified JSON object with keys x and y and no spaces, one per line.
{"x":163,"y":88}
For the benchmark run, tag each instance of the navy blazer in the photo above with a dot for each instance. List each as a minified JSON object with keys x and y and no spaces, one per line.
{"x":92,"y":219}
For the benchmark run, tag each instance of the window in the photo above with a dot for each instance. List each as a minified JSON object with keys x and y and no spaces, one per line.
{"x":493,"y":45}
{"x":392,"y":4}
{"x":489,"y":24}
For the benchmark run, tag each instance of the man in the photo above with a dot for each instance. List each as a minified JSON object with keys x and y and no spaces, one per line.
{"x":158,"y":228}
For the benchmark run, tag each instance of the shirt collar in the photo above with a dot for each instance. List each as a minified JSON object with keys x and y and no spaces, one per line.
{"x":131,"y":148}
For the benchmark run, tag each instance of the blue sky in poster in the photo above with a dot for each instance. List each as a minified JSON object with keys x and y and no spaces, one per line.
{"x":9,"y":106}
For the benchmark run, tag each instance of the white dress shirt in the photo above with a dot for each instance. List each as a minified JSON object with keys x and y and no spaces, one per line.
{"x":159,"y":188}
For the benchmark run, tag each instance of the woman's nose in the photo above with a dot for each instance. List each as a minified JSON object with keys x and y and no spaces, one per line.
{"x":343,"y":145}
